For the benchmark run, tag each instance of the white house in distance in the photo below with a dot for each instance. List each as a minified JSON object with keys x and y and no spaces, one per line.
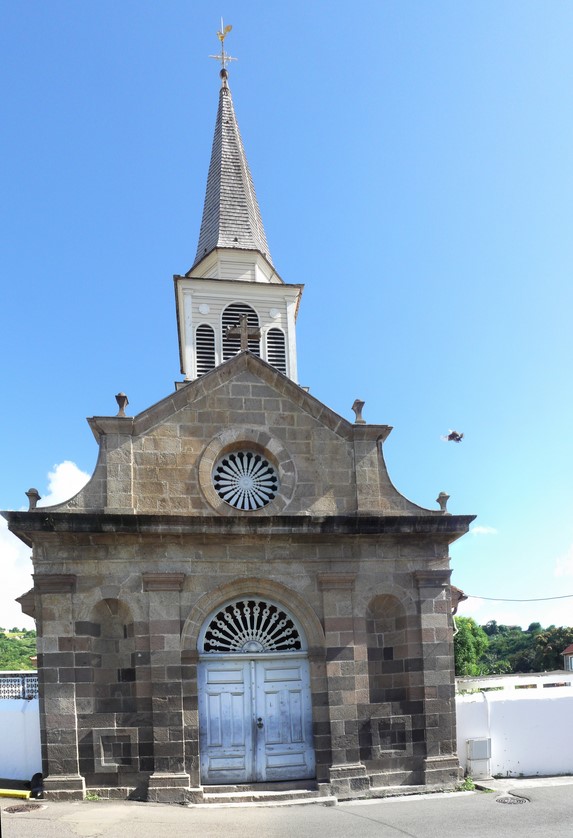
{"x":568,"y":658}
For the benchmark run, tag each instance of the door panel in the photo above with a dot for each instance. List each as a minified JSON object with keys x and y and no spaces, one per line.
{"x":284,"y":743}
{"x":255,"y":720}
{"x":225,"y":729}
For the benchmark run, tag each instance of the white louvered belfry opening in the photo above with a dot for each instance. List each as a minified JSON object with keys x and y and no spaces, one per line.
{"x":231,"y":317}
{"x":208,"y":319}
{"x":276,"y":350}
{"x":204,"y":348}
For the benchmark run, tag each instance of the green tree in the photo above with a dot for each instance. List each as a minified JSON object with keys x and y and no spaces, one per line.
{"x":470,"y":644}
{"x":549,"y":645}
{"x":510,"y":648}
{"x":491,"y":628}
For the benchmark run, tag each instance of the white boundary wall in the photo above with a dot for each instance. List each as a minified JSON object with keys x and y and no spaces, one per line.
{"x":20,"y":754}
{"x":531,"y":730}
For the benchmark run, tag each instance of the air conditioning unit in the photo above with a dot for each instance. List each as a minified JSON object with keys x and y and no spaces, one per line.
{"x":478,"y":752}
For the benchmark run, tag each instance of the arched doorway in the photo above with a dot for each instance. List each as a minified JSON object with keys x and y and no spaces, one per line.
{"x":255,"y":712}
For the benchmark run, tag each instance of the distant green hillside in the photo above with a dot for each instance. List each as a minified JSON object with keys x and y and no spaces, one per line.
{"x":16,"y":648}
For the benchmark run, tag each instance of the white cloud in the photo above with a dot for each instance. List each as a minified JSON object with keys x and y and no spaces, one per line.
{"x":480,"y":529}
{"x":16,"y":579}
{"x":64,"y":481}
{"x":564,"y":564}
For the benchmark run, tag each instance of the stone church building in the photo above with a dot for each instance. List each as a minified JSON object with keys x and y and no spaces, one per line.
{"x":239,"y":600}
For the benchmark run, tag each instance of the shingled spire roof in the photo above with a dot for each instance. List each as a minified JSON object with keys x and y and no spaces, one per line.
{"x":231,"y":214}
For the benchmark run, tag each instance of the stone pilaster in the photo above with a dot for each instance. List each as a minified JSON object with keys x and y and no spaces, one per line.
{"x":169,"y":781}
{"x":115,"y":434}
{"x":438,"y":677}
{"x":58,"y":719}
{"x":367,"y":440}
{"x":190,"y":661}
{"x":347,"y":774}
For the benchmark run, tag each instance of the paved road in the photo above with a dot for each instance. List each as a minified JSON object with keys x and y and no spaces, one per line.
{"x":547,"y":814}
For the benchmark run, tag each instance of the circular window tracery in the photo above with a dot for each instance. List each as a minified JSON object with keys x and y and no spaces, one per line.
{"x":245,"y":480}
{"x":251,"y":626}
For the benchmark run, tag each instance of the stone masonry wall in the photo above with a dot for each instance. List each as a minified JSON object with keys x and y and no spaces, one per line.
{"x":161,"y":461}
{"x":120,"y":669}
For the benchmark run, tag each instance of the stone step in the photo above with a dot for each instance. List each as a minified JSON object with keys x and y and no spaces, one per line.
{"x":267,"y":795}
{"x":114,"y":792}
{"x":380,"y":789}
{"x":286,"y":785}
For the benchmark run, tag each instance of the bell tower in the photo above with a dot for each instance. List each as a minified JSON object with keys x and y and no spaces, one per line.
{"x":233,"y":279}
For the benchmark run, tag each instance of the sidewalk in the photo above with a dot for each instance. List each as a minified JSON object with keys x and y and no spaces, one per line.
{"x":506,"y":784}
{"x":420,"y":816}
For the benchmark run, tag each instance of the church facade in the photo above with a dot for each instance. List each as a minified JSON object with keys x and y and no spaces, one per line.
{"x":239,"y":597}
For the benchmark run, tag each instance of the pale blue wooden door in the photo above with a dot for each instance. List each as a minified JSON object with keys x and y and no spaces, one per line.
{"x":284,"y":749}
{"x":255,"y":720}
{"x":225,"y":721}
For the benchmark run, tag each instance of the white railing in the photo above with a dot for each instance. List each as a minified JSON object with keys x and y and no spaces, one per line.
{"x":519,"y":681}
{"x":23,"y":684}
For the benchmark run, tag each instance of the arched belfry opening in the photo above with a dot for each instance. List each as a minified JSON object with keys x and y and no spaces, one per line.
{"x":205,"y":349}
{"x":255,"y":709}
{"x":230,"y":318}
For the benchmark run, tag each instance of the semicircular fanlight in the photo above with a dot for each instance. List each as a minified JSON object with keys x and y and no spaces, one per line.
{"x":251,"y":626}
{"x":245,"y":480}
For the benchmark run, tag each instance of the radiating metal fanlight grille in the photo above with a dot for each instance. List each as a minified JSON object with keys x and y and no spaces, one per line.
{"x":251,"y":626}
{"x":245,"y":480}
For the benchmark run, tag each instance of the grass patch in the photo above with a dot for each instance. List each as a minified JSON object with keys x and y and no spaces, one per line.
{"x":467,"y":785}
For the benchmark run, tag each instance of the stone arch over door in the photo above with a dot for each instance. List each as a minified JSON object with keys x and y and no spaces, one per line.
{"x":266,"y":694}
{"x":254,"y":586}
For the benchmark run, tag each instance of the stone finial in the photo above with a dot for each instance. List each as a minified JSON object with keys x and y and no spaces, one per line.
{"x":33,"y":496}
{"x":122,"y":402}
{"x":442,"y":500}
{"x":357,"y":408}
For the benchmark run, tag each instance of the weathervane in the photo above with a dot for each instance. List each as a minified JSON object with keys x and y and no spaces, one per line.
{"x":223,"y":57}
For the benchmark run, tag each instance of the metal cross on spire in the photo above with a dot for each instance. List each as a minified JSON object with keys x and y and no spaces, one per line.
{"x":224,"y":58}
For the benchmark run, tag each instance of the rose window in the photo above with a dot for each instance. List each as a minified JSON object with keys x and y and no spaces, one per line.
{"x":251,"y":626}
{"x":245,"y":480}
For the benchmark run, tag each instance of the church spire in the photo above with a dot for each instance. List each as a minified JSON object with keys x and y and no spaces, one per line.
{"x":231,"y":214}
{"x":232,"y":300}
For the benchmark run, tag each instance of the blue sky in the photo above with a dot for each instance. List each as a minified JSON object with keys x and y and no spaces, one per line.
{"x":414,"y":166}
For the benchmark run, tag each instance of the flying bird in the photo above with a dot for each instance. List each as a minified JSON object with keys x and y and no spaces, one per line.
{"x":453,"y":436}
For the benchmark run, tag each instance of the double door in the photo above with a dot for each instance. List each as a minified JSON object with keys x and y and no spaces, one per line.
{"x":255,"y":719}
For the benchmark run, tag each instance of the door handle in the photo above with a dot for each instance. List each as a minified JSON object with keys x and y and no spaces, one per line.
{"x":260,"y":723}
